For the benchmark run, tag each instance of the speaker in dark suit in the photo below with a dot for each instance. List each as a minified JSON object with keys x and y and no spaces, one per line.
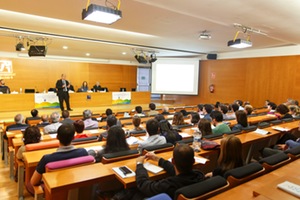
{"x":62,"y":86}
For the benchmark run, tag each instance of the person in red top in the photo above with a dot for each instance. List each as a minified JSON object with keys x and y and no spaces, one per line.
{"x":79,"y":127}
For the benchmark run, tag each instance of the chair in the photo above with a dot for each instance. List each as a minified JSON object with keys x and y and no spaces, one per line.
{"x":263,"y":125}
{"x":121,"y":155}
{"x":182,"y":126}
{"x":162,"y":196}
{"x":137,"y":133}
{"x":158,"y":148}
{"x":293,"y":153}
{"x":202,"y":190}
{"x":235,"y":132}
{"x":297,"y":118}
{"x":275,"y":161}
{"x":33,"y":122}
{"x":186,"y":141}
{"x":249,"y":128}
{"x":85,"y":140}
{"x":62,"y":164}
{"x":126,"y":120}
{"x":287,"y":120}
{"x":213,"y":136}
{"x":275,"y":122}
{"x":243,"y":174}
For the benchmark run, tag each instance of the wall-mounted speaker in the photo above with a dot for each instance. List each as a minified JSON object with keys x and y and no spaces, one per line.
{"x":211,"y":56}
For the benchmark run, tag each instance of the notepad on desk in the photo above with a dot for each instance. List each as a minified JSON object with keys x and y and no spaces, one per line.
{"x":278,"y":128}
{"x":261,"y":131}
{"x":153,"y":168}
{"x":184,"y":135}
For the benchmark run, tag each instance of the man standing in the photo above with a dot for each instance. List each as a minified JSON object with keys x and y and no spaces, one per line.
{"x":62,"y":86}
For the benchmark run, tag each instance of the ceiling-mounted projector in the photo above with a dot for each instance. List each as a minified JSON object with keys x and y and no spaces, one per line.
{"x":40,"y":50}
{"x":141,"y":59}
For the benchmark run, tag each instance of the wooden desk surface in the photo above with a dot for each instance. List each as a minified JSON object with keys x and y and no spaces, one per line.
{"x":268,"y":182}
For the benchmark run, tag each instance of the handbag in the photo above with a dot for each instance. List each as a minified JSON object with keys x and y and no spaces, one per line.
{"x":209,"y":144}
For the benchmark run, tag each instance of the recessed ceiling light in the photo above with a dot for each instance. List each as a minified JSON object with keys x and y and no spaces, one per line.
{"x":124,"y":53}
{"x":87,"y":54}
{"x":65,"y":47}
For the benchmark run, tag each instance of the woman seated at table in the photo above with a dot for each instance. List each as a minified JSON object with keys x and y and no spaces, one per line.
{"x":84,"y":87}
{"x":242,"y":120}
{"x":178,"y":119}
{"x":194,"y":117}
{"x":168,"y":132}
{"x":230,"y":155}
{"x":283,"y":112}
{"x":115,"y":142}
{"x":79,"y":128}
{"x":31,"y":135}
{"x":205,"y":127}
{"x":136,"y":121}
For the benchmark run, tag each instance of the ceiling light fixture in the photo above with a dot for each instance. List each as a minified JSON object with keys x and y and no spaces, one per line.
{"x":102,"y":14}
{"x":152,"y":58}
{"x":20,"y":47}
{"x":240,"y":43}
{"x":204,"y":35}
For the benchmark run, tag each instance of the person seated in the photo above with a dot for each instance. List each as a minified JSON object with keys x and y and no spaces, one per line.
{"x":66,"y":117}
{"x":79,"y":128}
{"x":136,"y":121}
{"x":272,"y":108}
{"x":65,"y":135}
{"x":31,"y":135}
{"x":200,"y":110}
{"x":152,"y":108}
{"x":232,"y":109}
{"x":217,"y":121}
{"x":34,"y":115}
{"x":242,"y":120}
{"x":97,"y":87}
{"x":19,"y":123}
{"x":180,"y":173}
{"x":152,"y":128}
{"x":4,"y":88}
{"x":84,"y":87}
{"x":205,"y":127}
{"x":111,"y":121}
{"x":248,"y":109}
{"x":195,"y":118}
{"x":178,"y":119}
{"x":55,"y":124}
{"x":294,"y":111}
{"x":165,"y":110}
{"x":115,"y":142}
{"x":44,"y":121}
{"x":87,"y":119}
{"x":207,"y":109}
{"x":139,"y":111}
{"x":240,"y":104}
{"x":231,"y":155}
{"x":283,"y":112}
{"x":166,"y":130}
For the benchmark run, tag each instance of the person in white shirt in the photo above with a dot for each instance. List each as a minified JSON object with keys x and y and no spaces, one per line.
{"x":55,"y":124}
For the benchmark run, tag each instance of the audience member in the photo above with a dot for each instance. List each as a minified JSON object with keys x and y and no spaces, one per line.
{"x":184,"y":112}
{"x":84,"y":87}
{"x":136,"y":121}
{"x":152,"y":127}
{"x":217,"y":121}
{"x":165,"y":110}
{"x":272,"y":108}
{"x":79,"y":128}
{"x":230,"y":155}
{"x":66,"y":117}
{"x":139,"y":111}
{"x":205,"y":127}
{"x":194,"y":117}
{"x":200,"y":110}
{"x":283,"y":110}
{"x":97,"y":87}
{"x":207,"y":109}
{"x":240,"y":104}
{"x":180,"y":173}
{"x":111,"y":121}
{"x":152,"y":108}
{"x":55,"y":124}
{"x":34,"y":115}
{"x":242,"y":120}
{"x":19,"y":123}
{"x":115,"y":142}
{"x":65,"y":135}
{"x":294,"y":110}
{"x":224,"y":110}
{"x":87,"y":119}
{"x":168,"y":132}
{"x":31,"y":135}
{"x":248,"y":109}
{"x":178,"y":119}
{"x":44,"y":121}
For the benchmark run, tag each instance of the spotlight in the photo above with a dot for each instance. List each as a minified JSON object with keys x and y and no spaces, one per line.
{"x":239,"y":43}
{"x":141,"y":59}
{"x":101,"y":14}
{"x":152,"y":58}
{"x":20,"y":47}
{"x":204,"y":35}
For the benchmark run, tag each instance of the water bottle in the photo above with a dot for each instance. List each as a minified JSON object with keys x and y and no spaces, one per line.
{"x":197,"y":141}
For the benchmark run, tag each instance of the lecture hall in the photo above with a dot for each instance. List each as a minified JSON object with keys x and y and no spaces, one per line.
{"x":160,"y":99}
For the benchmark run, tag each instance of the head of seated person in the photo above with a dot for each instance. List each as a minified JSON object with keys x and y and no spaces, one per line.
{"x":87,"y":114}
{"x":152,"y":127}
{"x":116,"y":140}
{"x":183,"y":152}
{"x":55,"y":116}
{"x":152,"y":106}
{"x":216,"y":117}
{"x":139,"y":110}
{"x":159,"y":117}
{"x":19,"y":119}
{"x":248,"y":109}
{"x":31,"y":135}
{"x":283,"y":110}
{"x":178,"y":119}
{"x":79,"y":126}
{"x":241,"y":118}
{"x":204,"y":126}
{"x":136,"y":121}
{"x":45,"y":118}
{"x":34,"y":112}
{"x":65,"y":134}
{"x":108,"y":112}
{"x":65,"y":114}
{"x":194,"y":117}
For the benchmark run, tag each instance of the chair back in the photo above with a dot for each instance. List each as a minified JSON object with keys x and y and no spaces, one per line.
{"x":118,"y":156}
{"x":42,"y":145}
{"x":243,"y":174}
{"x":33,"y":122}
{"x":249,"y":128}
{"x":85,"y":140}
{"x":62,"y":164}
{"x":182,"y":126}
{"x":235,"y":132}
{"x":137,"y":133}
{"x":287,"y":120}
{"x":213,"y":136}
{"x":275,"y":161}
{"x":263,"y":125}
{"x":275,"y":122}
{"x":158,"y":148}
{"x":293,"y":153}
{"x":186,"y":141}
{"x":202,"y":190}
